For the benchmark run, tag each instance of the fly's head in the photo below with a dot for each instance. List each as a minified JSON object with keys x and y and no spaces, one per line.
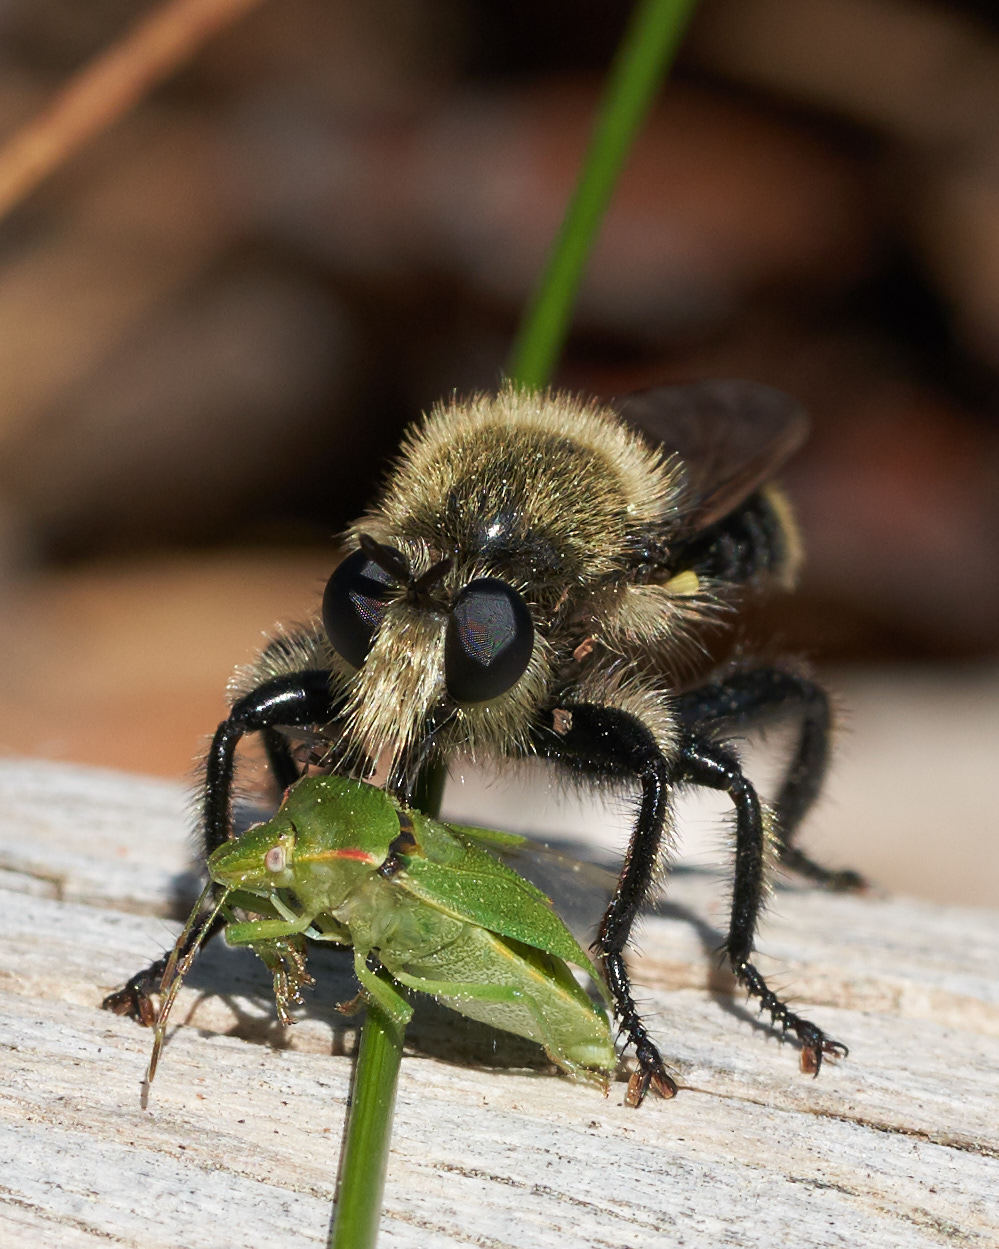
{"x":441,"y":650}
{"x":459,"y":603}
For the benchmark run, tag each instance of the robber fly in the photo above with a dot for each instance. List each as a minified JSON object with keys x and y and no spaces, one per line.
{"x":529,"y":583}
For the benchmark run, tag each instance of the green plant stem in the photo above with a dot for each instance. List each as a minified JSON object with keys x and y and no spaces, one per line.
{"x":646,"y":52}
{"x":369,"y":1131}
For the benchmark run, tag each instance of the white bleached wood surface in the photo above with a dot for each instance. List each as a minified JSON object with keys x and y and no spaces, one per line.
{"x":898,"y":1145}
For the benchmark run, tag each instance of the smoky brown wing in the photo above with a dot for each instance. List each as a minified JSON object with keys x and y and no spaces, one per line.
{"x":732,"y":436}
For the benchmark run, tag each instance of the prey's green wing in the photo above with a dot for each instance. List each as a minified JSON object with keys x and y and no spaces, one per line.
{"x":490,"y":838}
{"x":448,"y":870}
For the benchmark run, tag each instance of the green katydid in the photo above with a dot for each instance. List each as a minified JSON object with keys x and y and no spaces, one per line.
{"x":429,"y":902}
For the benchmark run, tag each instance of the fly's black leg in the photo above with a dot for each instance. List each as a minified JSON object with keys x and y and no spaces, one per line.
{"x":707,"y":764}
{"x":755,"y":697}
{"x":298,"y":700}
{"x":606,"y":742}
{"x":283,"y":767}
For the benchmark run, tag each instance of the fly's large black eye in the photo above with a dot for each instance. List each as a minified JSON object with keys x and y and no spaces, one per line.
{"x":353,"y":605}
{"x":490,"y":636}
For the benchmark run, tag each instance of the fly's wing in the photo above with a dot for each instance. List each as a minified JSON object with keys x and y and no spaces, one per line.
{"x":454,"y":874}
{"x":731,"y":436}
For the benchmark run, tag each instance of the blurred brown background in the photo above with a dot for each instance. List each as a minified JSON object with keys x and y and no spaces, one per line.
{"x":217,"y":318}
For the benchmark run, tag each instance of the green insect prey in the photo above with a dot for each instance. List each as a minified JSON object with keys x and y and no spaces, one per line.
{"x":429,"y":903}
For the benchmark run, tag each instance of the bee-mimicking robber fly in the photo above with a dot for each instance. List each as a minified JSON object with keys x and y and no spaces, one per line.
{"x":528,"y":584}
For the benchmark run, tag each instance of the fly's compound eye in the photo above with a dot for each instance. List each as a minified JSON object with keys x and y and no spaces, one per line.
{"x":490,"y":636}
{"x":353,"y":605}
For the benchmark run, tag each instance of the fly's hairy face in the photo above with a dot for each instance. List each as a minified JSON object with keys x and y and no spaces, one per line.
{"x":472,"y":581}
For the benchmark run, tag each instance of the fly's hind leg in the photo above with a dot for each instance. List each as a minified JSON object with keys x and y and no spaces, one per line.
{"x":757,"y":696}
{"x":705,"y":763}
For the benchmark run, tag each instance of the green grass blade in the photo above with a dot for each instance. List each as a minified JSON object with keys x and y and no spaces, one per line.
{"x":369,"y":1131}
{"x":646,"y":52}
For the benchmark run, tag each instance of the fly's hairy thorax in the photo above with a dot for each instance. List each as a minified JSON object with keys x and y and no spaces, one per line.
{"x":534,"y":488}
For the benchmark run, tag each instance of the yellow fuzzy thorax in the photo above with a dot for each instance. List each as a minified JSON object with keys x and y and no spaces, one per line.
{"x":558,"y":482}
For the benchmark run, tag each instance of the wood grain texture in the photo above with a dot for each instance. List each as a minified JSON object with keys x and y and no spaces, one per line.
{"x":897,"y":1145}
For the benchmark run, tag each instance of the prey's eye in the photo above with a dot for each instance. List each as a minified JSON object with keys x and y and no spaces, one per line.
{"x":353,"y":605}
{"x":275,"y":859}
{"x":490,"y":636}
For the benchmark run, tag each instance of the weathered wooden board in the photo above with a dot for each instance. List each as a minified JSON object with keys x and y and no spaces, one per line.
{"x":897,"y":1145}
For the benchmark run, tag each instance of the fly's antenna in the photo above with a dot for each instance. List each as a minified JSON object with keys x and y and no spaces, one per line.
{"x":176,"y":969}
{"x":418,"y":589}
{"x":387,"y":558}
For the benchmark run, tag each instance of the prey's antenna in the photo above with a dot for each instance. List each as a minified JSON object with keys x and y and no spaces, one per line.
{"x":176,"y":969}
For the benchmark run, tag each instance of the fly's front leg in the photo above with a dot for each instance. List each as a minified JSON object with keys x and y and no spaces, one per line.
{"x":754,"y":697}
{"x":280,"y":760}
{"x":705,"y":763}
{"x":298,"y":700}
{"x":601,"y":741}
{"x":295,"y":700}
